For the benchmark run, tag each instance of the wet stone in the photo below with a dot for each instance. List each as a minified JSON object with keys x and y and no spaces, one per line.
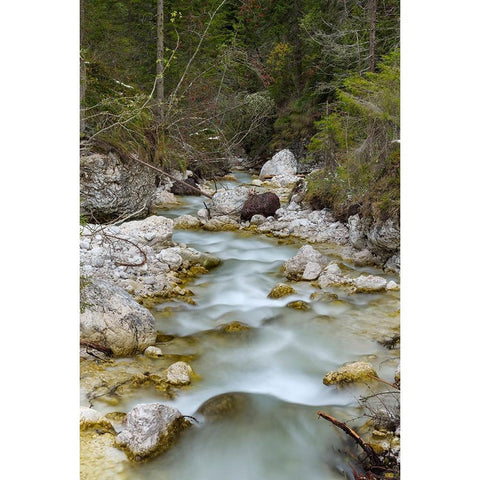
{"x":299,"y":305}
{"x":281,"y":290}
{"x":179,"y":373}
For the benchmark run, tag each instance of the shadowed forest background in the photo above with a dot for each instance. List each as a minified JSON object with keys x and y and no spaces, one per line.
{"x":189,"y":84}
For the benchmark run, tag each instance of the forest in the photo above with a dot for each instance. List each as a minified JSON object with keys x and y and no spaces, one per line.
{"x":188,"y":85}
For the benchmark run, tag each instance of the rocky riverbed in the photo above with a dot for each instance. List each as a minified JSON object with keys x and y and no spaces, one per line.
{"x":164,"y":304}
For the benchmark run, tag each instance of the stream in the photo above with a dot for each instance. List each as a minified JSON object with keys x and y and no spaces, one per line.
{"x":261,"y":386}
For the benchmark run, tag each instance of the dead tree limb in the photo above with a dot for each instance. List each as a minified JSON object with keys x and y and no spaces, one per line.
{"x":383,"y":381}
{"x":364,"y":446}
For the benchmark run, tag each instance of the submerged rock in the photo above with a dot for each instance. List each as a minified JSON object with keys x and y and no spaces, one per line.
{"x":225,"y":406}
{"x":234,"y":327}
{"x":151,"y":429}
{"x":349,"y":373}
{"x":282,"y":163}
{"x":281,"y":290}
{"x":114,"y":321}
{"x":179,"y":373}
{"x":299,"y":305}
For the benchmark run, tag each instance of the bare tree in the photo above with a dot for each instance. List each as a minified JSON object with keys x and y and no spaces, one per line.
{"x":160,"y":63}
{"x":83,"y":71}
{"x":372,"y":11}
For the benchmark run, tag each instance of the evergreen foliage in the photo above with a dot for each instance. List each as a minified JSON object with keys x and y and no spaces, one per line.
{"x":254,"y":77}
{"x":357,"y":146}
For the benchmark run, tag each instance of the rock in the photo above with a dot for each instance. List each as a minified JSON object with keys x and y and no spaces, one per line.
{"x":229,"y":202}
{"x":333,"y":269}
{"x":256,"y":182}
{"x":162,"y":198}
{"x":391,"y":285}
{"x":184,"y":187}
{"x":393,"y":263}
{"x":179,"y":373}
{"x":234,"y":327}
{"x":153,"y":352}
{"x":282,"y":163}
{"x":281,"y":290}
{"x":203,"y":215}
{"x":151,"y":429}
{"x":185,"y":222}
{"x":295,"y":266}
{"x":351,"y":372}
{"x":225,"y":406}
{"x":357,"y":231}
{"x":114,"y":321}
{"x":257,"y":220}
{"x":265,"y":204}
{"x":328,"y":279}
{"x":193,"y":257}
{"x":282,"y":181}
{"x":154,"y":231}
{"x":98,"y":456}
{"x":312,"y":271}
{"x":111,"y":187}
{"x":299,"y":305}
{"x":365,"y":257}
{"x":221,"y":223}
{"x":90,"y":418}
{"x":384,"y":237}
{"x":171,"y":258}
{"x":369,"y":283}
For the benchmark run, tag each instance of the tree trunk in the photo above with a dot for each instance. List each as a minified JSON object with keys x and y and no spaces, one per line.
{"x":83,"y":73}
{"x":372,"y":11}
{"x":160,"y":63}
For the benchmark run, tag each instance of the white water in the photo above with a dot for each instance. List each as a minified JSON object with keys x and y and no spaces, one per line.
{"x":278,"y":365}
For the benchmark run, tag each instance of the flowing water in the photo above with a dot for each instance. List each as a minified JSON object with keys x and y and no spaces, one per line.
{"x":256,"y":390}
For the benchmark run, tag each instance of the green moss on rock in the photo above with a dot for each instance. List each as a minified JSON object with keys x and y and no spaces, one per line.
{"x":281,"y":290}
{"x":351,"y":373}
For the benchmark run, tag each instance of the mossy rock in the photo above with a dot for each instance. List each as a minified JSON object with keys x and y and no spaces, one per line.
{"x":233,"y":327}
{"x":299,"y":305}
{"x":281,"y":290}
{"x":351,"y":373}
{"x":324,"y":296}
{"x":225,"y":406}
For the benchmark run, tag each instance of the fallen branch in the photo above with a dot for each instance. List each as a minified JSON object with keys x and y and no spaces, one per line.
{"x":383,"y":381}
{"x":364,"y":446}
